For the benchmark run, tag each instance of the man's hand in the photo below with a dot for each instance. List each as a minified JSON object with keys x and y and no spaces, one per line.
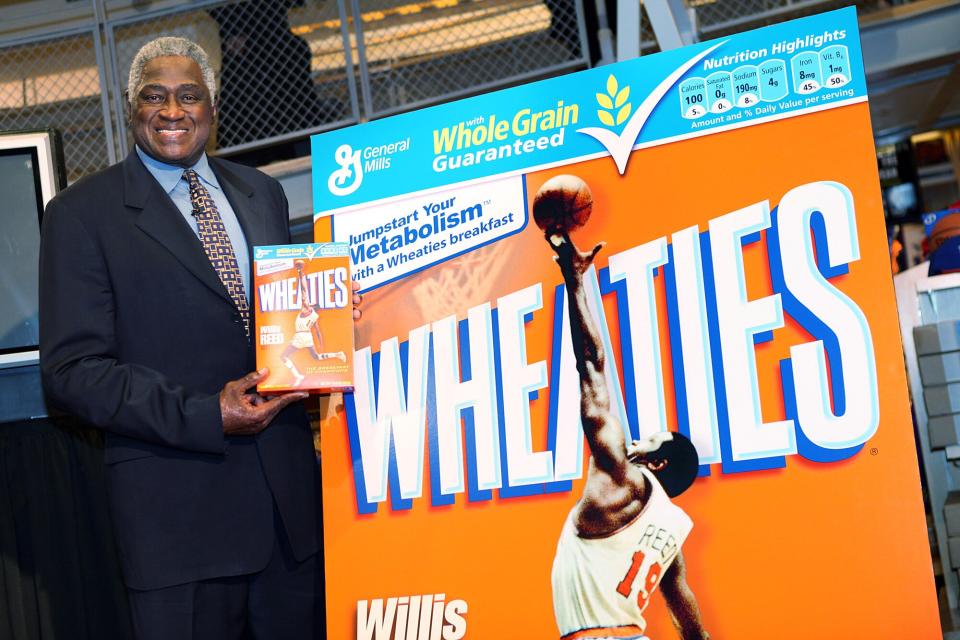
{"x":573,"y":262}
{"x":247,"y":414}
{"x":357,"y":299}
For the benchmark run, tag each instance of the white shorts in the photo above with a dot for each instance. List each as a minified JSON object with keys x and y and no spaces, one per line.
{"x":302,"y":340}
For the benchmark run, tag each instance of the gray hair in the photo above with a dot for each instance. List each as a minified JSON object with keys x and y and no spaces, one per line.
{"x":169,"y":46}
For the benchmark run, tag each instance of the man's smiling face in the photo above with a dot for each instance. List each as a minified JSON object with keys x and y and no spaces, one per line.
{"x":172,"y":111}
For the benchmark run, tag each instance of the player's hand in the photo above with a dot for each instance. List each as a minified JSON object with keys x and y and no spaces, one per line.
{"x":357,"y":299}
{"x":247,"y":414}
{"x":572,"y":261}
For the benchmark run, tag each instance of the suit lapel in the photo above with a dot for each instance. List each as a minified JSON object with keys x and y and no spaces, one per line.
{"x":161,"y":220}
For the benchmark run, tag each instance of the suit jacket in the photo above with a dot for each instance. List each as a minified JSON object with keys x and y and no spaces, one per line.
{"x":138,"y":337}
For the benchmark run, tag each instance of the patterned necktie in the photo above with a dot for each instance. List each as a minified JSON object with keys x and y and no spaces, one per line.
{"x":216,"y":244}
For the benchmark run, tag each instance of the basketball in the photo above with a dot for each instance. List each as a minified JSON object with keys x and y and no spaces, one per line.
{"x":563,"y":203}
{"x":945,"y":228}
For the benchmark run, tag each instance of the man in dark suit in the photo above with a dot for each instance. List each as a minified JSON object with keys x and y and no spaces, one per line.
{"x":146,"y":333}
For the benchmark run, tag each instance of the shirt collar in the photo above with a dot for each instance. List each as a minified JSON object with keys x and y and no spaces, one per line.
{"x":169,"y":175}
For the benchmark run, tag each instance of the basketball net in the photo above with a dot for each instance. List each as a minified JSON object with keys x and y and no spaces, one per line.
{"x":462,"y":282}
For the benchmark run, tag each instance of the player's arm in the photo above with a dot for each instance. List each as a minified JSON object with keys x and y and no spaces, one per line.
{"x":305,"y":297}
{"x":301,"y":282}
{"x":681,"y":602}
{"x":604,"y":433}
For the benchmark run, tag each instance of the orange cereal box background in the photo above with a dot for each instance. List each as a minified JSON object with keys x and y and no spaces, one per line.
{"x":811,"y":550}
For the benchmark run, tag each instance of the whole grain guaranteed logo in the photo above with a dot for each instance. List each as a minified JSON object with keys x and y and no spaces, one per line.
{"x":619,"y":145}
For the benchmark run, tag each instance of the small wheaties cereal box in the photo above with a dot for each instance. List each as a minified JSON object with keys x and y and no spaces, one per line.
{"x":304,"y":317}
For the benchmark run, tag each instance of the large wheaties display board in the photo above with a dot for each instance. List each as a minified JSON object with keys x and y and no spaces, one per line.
{"x":743,"y":298}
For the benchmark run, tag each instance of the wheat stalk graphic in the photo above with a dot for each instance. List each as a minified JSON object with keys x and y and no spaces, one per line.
{"x":613,"y":100}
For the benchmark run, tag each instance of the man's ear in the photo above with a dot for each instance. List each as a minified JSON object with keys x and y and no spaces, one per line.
{"x":211,"y":145}
{"x":127,"y":109}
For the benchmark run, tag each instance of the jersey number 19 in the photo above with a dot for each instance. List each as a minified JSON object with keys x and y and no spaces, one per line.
{"x":649,"y":582}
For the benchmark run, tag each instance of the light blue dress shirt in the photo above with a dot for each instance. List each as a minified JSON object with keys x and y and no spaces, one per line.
{"x":175,"y":185}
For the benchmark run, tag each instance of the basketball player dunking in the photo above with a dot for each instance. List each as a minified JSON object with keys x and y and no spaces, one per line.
{"x":622,"y":540}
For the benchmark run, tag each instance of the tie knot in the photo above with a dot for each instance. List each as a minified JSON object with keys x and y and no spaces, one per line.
{"x":199,"y":196}
{"x":192,"y":178}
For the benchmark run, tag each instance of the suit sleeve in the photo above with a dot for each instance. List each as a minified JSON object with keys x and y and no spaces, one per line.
{"x":284,"y":209}
{"x":79,"y":362}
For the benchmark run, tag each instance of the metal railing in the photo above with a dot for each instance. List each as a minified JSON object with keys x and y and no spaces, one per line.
{"x":290,"y":68}
{"x":718,"y":17}
{"x":286,"y":68}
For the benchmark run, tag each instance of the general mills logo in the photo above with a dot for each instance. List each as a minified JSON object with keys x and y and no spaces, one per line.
{"x":346,"y":179}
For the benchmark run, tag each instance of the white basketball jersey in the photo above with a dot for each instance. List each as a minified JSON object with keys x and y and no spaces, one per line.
{"x":302,"y":338}
{"x":602,"y":585}
{"x":303,"y":323}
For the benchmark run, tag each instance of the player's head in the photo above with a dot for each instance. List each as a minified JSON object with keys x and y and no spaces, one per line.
{"x":671,"y":457}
